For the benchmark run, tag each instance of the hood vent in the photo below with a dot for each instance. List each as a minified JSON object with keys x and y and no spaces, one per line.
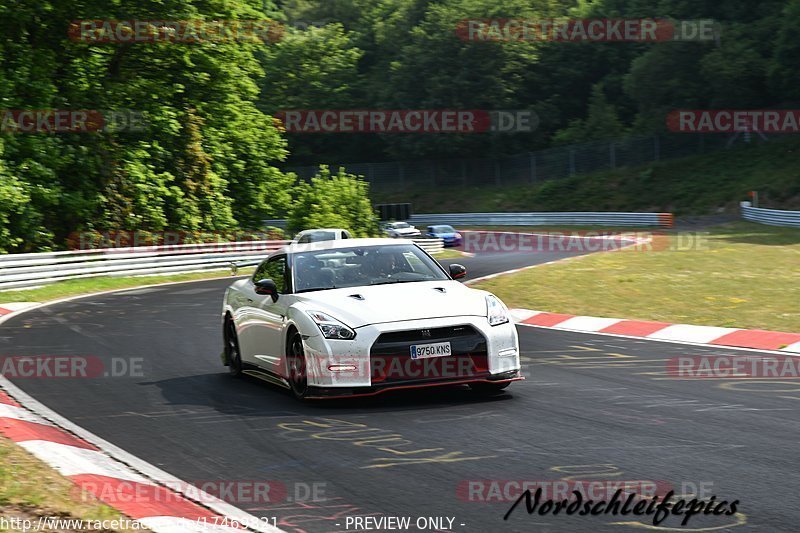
{"x":440,"y":289}
{"x":356,"y":297}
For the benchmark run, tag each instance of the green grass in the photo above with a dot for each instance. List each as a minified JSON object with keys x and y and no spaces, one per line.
{"x":743,"y":275}
{"x":65,"y":289}
{"x":30,"y":489}
{"x":449,"y":254}
{"x":690,"y":186}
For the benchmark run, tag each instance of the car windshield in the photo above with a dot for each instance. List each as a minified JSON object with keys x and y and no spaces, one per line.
{"x":444,"y":229}
{"x":317,"y":236}
{"x":360,"y":266}
{"x":401,"y":225}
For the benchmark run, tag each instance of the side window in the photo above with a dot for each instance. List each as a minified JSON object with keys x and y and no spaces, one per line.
{"x":274,"y":269}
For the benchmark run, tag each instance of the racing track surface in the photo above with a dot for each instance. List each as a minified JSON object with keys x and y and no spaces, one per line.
{"x":593,"y":408}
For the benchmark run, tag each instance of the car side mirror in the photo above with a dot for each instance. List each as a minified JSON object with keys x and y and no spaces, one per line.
{"x":267,"y":287}
{"x":457,"y":271}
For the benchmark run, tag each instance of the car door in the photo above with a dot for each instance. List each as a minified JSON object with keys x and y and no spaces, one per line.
{"x":262,"y":339}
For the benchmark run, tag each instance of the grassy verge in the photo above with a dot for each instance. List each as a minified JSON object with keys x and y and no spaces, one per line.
{"x":740,"y":275}
{"x":694,"y":185}
{"x":65,"y":289}
{"x":30,"y":489}
{"x":449,"y":253}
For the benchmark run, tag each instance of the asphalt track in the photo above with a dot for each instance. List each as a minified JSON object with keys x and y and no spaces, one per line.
{"x":593,"y":407}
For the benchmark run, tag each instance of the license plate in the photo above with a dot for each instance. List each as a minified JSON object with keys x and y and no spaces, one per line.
{"x":424,"y":351}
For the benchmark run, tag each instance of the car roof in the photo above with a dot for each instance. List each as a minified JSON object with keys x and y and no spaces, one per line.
{"x":339,"y":244}
{"x":306,"y":231}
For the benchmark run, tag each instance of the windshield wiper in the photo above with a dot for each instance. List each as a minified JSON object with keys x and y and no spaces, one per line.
{"x":393,"y":281}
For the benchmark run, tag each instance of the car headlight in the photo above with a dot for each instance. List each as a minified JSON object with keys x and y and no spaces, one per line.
{"x":495,"y":311}
{"x":330,"y":327}
{"x":458,"y":235}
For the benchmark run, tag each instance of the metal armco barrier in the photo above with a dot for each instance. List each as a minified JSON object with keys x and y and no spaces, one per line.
{"x":662,"y":220}
{"x":31,"y":270}
{"x":771,"y":217}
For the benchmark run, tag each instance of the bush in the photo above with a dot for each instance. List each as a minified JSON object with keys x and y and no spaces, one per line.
{"x":333,"y":201}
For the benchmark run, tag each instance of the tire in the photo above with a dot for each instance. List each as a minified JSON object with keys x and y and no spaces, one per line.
{"x":232,"y":353}
{"x":296,"y":359}
{"x":488,"y":388}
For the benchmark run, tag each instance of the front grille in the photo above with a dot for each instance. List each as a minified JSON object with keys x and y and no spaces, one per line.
{"x":391,"y":362}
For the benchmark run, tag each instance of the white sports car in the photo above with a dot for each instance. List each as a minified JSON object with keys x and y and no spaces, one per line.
{"x":357,"y":317}
{"x":403,"y":230}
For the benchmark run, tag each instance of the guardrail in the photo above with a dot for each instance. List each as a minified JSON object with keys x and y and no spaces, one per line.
{"x":32,"y":270}
{"x":771,"y":217}
{"x":661,"y":220}
{"x":664,"y":220}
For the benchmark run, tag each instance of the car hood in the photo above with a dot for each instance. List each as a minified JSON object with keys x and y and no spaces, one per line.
{"x":406,"y":230}
{"x":361,"y":306}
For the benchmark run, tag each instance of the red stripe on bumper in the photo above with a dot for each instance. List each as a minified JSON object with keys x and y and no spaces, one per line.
{"x":420,"y":386}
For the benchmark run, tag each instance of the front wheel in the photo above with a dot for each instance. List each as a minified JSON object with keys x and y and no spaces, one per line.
{"x":488,"y":388}
{"x":233,"y":355}
{"x":298,"y":378}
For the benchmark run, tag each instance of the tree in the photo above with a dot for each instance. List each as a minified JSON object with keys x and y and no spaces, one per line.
{"x":338,"y":200}
{"x":602,"y":122}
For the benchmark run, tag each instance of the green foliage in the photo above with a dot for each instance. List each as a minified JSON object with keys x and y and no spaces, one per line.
{"x":204,"y":158}
{"x":208,"y":153}
{"x":329,"y":200}
{"x":412,"y":58}
{"x":602,"y":122}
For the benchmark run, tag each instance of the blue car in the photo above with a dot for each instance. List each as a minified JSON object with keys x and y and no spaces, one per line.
{"x":450,"y":236}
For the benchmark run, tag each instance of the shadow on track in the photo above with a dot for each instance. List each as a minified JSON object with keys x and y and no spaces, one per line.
{"x":252,"y":397}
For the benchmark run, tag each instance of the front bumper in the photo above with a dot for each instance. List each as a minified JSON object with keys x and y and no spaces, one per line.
{"x":317,"y":393}
{"x":379,"y":358}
